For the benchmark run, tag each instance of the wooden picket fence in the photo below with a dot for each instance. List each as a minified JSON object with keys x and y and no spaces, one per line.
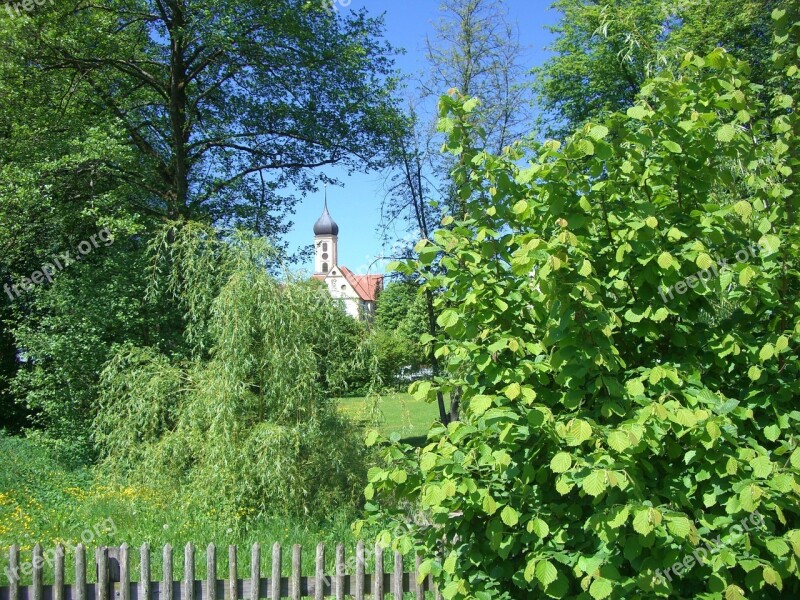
{"x":114,"y":577}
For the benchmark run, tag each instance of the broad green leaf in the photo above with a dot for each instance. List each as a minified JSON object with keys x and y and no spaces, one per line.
{"x":637,"y":112}
{"x":598,"y":132}
{"x":635,"y":387}
{"x":561,"y":462}
{"x":772,"y":432}
{"x":762,"y":467}
{"x":726,"y":133}
{"x":619,"y":440}
{"x":546,"y":572}
{"x":530,"y":570}
{"x":447,"y":319}
{"x":778,"y":547}
{"x":539,"y":527}
{"x":595,"y":483}
{"x":509,"y":516}
{"x":513,"y":391}
{"x":665,"y":260}
{"x":679,"y":526}
{"x":578,"y":432}
{"x":601,"y":588}
{"x":479,"y":404}
{"x":641,"y":521}
{"x":734,"y":592}
{"x":489,"y":505}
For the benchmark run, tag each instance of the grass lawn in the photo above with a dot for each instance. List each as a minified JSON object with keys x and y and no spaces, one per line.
{"x":396,"y":412}
{"x":43,"y":501}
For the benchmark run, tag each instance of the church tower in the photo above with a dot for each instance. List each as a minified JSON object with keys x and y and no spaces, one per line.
{"x":326,"y":233}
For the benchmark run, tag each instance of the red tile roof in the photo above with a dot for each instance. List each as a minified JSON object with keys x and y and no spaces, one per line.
{"x":366,"y":286}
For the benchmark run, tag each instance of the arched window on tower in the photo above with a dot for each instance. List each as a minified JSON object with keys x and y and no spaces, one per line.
{"x":324,"y":246}
{"x":324,"y":267}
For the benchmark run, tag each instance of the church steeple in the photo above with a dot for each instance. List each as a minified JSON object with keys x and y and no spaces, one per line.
{"x":325,"y":241}
{"x":325,"y":225}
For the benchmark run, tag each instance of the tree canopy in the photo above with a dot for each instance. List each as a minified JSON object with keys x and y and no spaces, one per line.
{"x":622,"y":318}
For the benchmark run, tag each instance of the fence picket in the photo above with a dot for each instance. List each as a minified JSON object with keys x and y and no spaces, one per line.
{"x":143,"y":588}
{"x":377,"y":585}
{"x":13,"y":572}
{"x":276,"y":571}
{"x":233,"y":591}
{"x":340,"y":570}
{"x":397,"y":576}
{"x":360,"y":570}
{"x":211,"y":572}
{"x":255,"y":570}
{"x":166,"y":583}
{"x":416,"y":585}
{"x":319,"y":578}
{"x":188,"y":572}
{"x":80,"y":573}
{"x":38,"y":568}
{"x":297,"y":556}
{"x":124,"y":574}
{"x":58,"y":573}
{"x":102,"y":574}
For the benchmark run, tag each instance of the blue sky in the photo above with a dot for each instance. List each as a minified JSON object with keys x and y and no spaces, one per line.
{"x":356,"y":206}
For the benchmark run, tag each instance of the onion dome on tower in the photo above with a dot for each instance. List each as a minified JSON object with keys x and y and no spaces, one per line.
{"x":325,"y":225}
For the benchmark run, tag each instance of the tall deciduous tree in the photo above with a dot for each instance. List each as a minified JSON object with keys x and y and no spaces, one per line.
{"x":226,"y":103}
{"x":605,"y":49}
{"x":622,"y":438}
{"x":476,"y":50}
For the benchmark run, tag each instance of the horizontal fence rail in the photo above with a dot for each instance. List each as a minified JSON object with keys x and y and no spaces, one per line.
{"x":114,"y":580}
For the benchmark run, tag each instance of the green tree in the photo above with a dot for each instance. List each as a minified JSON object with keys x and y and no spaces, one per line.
{"x":225,"y":104}
{"x":239,"y":424}
{"x":401,"y":321}
{"x":68,"y":331}
{"x":604,"y":50}
{"x":630,"y":423}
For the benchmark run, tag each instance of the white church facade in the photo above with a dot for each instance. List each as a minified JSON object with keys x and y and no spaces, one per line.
{"x":359,"y":293}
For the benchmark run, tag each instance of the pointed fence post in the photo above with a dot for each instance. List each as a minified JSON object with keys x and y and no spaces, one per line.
{"x":166,"y":583}
{"x":143,"y":588}
{"x":58,"y":574}
{"x":233,"y":578}
{"x":377,"y":585}
{"x":80,"y":572}
{"x":319,"y":577}
{"x":211,"y":573}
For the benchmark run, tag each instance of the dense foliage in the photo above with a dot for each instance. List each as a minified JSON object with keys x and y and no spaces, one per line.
{"x":623,"y":319}
{"x":125,"y":114}
{"x":400,"y":322}
{"x":605,"y":50}
{"x":239,"y":423}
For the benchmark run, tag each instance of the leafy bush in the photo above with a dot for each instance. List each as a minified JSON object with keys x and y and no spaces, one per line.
{"x":620,"y":440}
{"x":400,"y":322}
{"x":240,"y":425}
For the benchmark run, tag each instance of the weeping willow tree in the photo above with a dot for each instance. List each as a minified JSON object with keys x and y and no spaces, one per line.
{"x":239,"y":422}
